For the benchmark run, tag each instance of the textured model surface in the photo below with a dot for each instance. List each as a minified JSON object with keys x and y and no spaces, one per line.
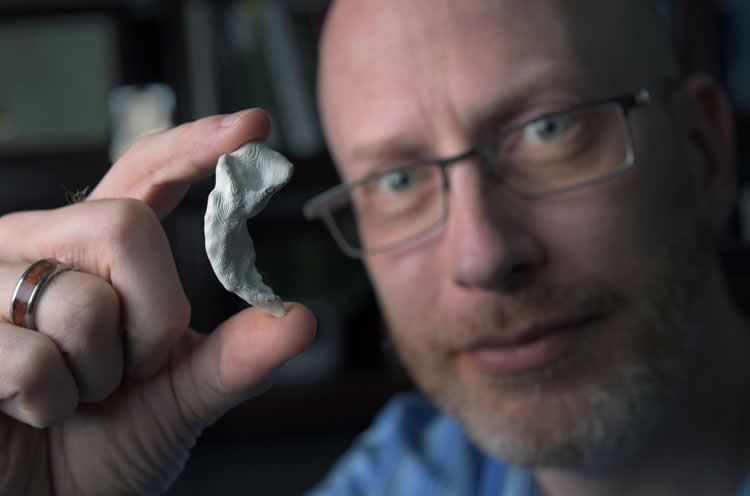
{"x":245,"y":181}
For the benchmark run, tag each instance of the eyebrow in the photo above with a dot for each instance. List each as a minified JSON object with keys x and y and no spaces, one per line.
{"x":551,"y":79}
{"x":391,"y":147}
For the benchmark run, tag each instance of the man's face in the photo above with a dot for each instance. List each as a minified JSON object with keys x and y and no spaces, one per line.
{"x":607,"y":274}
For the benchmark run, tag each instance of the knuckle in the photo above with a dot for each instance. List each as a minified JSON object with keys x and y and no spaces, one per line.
{"x":44,"y":418}
{"x":172,"y":322}
{"x":38,"y":366}
{"x":99,"y":306}
{"x":127,"y":219}
{"x":90,"y":323}
{"x":177,"y":320}
{"x":161,"y":342}
{"x":101,"y":390}
{"x":40,"y":383}
{"x":93,"y":313}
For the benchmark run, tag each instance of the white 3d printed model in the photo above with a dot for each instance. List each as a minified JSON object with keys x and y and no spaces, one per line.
{"x":245,"y":181}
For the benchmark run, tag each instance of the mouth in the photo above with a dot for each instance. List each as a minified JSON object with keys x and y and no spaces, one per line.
{"x":531,"y":348}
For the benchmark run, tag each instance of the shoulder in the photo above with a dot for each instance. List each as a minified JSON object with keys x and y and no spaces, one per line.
{"x":411,"y":448}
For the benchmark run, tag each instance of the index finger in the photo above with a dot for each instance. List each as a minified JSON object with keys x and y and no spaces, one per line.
{"x":159,"y":168}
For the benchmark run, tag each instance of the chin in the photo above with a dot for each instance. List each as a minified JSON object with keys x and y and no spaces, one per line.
{"x":595,"y":425}
{"x":593,"y":409}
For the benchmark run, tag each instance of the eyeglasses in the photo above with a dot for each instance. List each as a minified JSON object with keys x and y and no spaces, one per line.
{"x":556,"y":152}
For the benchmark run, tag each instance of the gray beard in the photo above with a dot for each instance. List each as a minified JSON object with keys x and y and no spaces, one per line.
{"x":607,"y":419}
{"x":620,"y":414}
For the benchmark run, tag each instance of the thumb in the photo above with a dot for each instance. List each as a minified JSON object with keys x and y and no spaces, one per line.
{"x":228,"y":366}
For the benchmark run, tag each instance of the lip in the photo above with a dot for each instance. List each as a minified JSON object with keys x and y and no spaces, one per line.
{"x":528,"y":349}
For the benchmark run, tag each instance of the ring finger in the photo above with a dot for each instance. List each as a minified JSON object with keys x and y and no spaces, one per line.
{"x":80,"y":313}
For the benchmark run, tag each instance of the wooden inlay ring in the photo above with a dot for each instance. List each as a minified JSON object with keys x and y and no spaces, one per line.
{"x":29,"y":287}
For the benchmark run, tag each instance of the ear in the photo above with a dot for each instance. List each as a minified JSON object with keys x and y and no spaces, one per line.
{"x":705,"y":118}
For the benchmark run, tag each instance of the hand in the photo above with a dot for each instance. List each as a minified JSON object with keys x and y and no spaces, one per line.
{"x":111,"y":393}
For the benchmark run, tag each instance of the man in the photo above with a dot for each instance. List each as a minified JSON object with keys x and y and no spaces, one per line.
{"x":539,"y":192}
{"x":556,"y":288}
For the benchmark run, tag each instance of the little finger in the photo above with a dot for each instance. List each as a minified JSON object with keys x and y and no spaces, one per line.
{"x":36,"y":386}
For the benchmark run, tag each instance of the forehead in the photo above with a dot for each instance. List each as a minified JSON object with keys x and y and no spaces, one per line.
{"x":358,"y":30}
{"x":421,"y":38}
{"x":366,"y":24}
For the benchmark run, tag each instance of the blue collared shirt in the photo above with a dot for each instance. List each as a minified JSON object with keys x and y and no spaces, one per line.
{"x":414,"y":449}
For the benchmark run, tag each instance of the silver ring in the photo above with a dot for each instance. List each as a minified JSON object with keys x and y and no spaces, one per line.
{"x":29,"y":287}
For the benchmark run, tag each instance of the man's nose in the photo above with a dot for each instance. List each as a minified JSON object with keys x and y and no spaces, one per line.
{"x":490,"y":242}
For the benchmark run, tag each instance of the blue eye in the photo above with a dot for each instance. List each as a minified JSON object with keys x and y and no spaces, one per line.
{"x":397,"y":181}
{"x":547,"y":129}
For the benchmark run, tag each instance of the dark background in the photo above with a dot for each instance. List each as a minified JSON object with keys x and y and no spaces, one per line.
{"x":59,"y":64}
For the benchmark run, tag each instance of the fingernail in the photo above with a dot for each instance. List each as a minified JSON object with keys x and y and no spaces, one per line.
{"x":231,"y":119}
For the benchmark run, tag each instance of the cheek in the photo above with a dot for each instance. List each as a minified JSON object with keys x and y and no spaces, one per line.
{"x":407,"y":286}
{"x":616,"y":231}
{"x":587,"y":228}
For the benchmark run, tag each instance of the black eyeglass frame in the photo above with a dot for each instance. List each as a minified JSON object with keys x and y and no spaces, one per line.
{"x":315,"y":207}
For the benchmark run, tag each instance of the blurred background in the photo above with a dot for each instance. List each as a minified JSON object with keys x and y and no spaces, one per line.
{"x":80,"y":80}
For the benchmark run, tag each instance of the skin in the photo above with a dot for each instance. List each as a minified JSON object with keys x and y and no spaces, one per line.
{"x":113,"y":391}
{"x":636,"y":255}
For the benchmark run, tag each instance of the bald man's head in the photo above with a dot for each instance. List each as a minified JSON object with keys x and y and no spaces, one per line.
{"x":540,"y":90}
